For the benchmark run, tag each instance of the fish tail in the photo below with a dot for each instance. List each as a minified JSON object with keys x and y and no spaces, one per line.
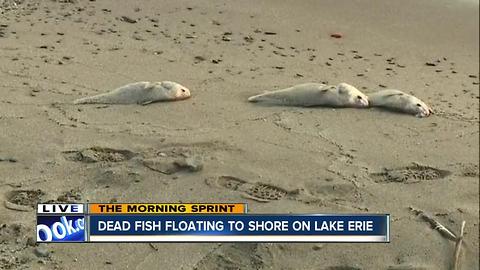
{"x":256,"y":98}
{"x":89,"y":100}
{"x":253,"y":99}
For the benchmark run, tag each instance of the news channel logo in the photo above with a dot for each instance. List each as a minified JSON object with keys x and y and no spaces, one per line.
{"x":61,"y":228}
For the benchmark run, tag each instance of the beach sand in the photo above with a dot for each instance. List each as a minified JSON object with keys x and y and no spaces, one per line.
{"x":310,"y":160}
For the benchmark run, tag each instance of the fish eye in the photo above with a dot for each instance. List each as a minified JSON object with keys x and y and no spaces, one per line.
{"x":183,"y":90}
{"x":359,"y":97}
{"x":418,"y":105}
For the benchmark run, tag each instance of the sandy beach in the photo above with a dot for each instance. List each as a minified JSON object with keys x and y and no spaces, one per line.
{"x":305,"y":160}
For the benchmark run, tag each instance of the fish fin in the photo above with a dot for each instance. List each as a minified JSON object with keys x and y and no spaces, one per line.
{"x":326,"y":88}
{"x":253,"y":98}
{"x":146,"y":102}
{"x":396,"y":94}
{"x":149,"y":86}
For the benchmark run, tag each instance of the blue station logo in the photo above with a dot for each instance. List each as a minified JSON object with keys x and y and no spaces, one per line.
{"x":60,"y":228}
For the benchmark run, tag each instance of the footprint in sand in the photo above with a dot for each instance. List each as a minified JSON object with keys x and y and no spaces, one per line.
{"x":336,"y":191}
{"x":99,"y":154}
{"x":114,"y":177}
{"x":409,"y":174}
{"x":256,"y":191}
{"x":470,"y":170}
{"x":173,"y":165}
{"x":71,"y":196}
{"x":262,"y":192}
{"x":236,"y":256}
{"x":311,"y":194}
{"x":23,"y":200}
{"x":337,"y":194}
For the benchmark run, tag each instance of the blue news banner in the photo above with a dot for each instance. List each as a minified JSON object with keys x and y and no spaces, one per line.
{"x":239,"y":228}
{"x":70,"y":223}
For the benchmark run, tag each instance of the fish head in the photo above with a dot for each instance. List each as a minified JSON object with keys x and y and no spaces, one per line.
{"x":419,"y":108}
{"x":355,"y":97}
{"x":175,"y":90}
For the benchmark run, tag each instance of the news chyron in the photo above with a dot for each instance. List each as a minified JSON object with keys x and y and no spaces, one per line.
{"x":201,"y":222}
